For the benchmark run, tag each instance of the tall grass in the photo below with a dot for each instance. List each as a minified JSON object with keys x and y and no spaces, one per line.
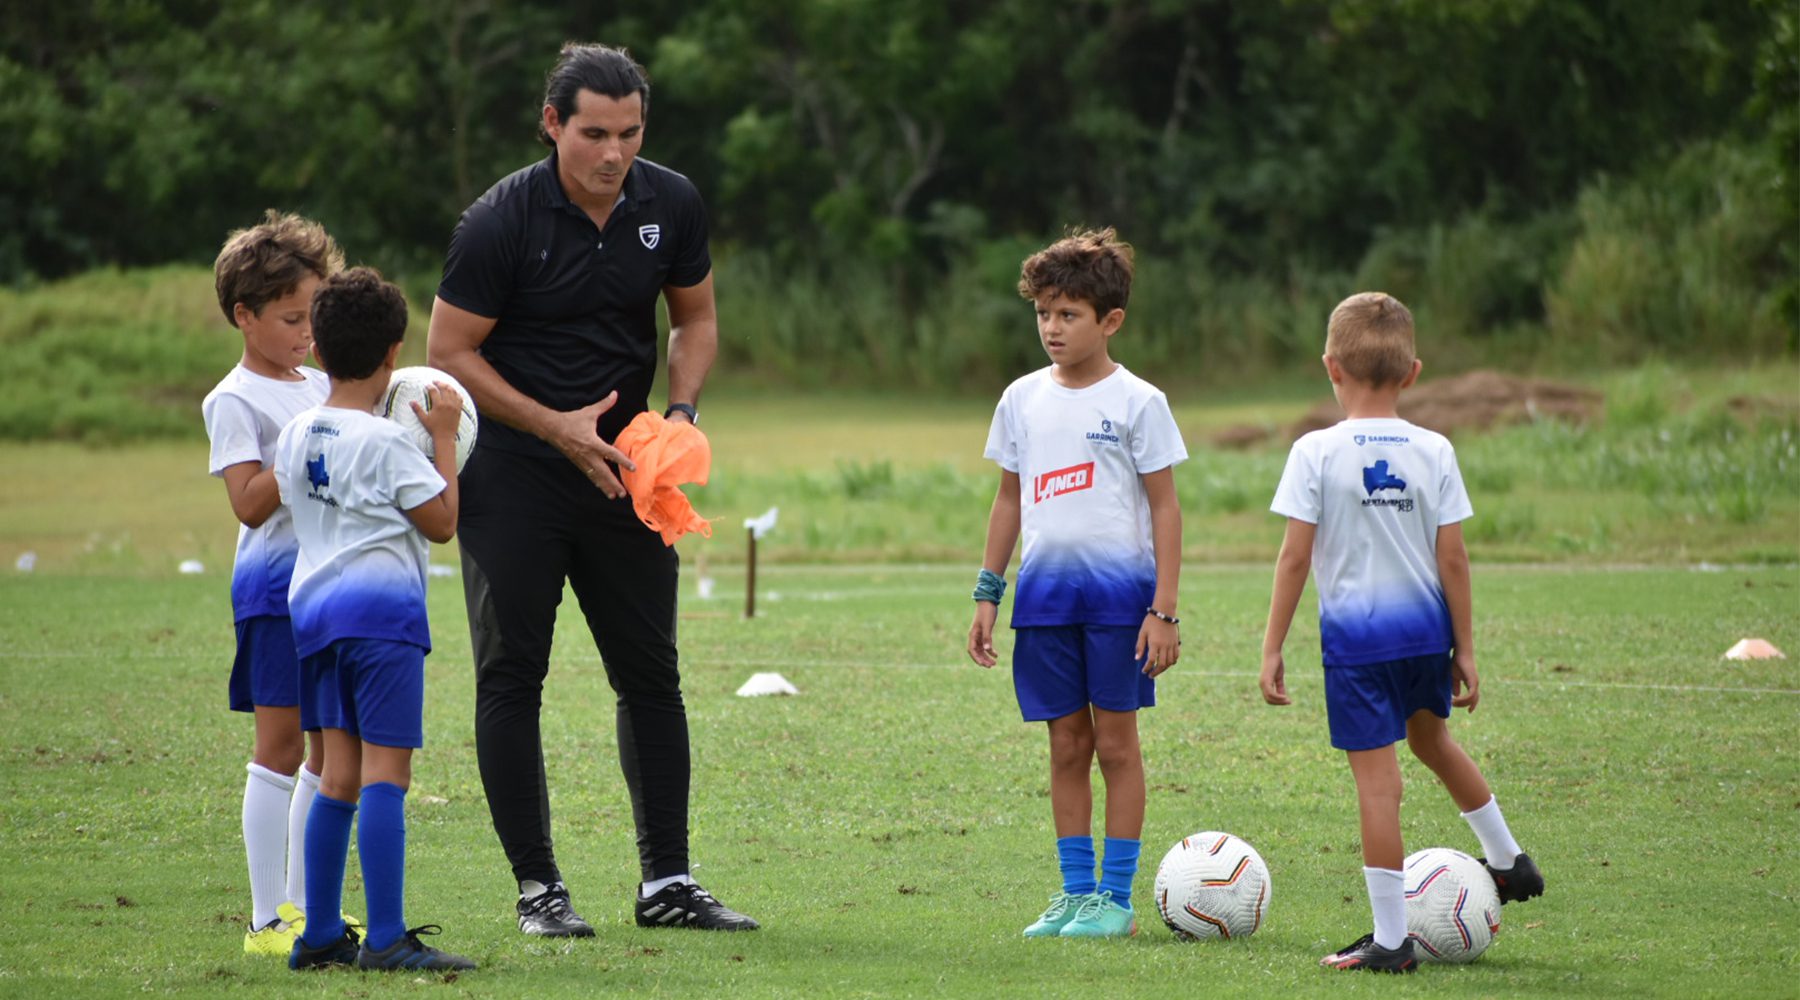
{"x":1684,"y":261}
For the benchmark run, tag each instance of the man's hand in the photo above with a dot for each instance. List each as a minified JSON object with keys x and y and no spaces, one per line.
{"x":1273,"y":679}
{"x":573,"y":433}
{"x":1158,"y":645}
{"x":981,"y":633}
{"x":1463,"y":678}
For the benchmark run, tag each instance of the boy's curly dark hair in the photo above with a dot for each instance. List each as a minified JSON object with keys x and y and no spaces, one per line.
{"x":1092,"y":266}
{"x":356,"y":317}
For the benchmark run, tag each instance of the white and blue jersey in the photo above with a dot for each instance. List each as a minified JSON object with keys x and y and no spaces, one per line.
{"x":349,"y":478}
{"x":1088,"y":551}
{"x":1378,"y":489}
{"x":244,"y":415}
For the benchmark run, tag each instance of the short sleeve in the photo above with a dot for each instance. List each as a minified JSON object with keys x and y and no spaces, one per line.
{"x":693,"y":259}
{"x":1298,"y":495}
{"x":481,"y":262}
{"x":1155,"y":439}
{"x":1453,"y":497}
{"x":408,"y":477}
{"x":231,"y":428}
{"x":1002,"y":443}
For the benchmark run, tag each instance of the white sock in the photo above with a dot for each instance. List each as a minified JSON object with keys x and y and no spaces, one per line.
{"x":649,"y":889}
{"x":266,"y":796}
{"x":306,"y":788}
{"x":1496,"y":840}
{"x":1387,"y":897}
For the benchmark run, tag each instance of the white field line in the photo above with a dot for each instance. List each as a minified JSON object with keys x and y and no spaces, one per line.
{"x":1251,"y":675}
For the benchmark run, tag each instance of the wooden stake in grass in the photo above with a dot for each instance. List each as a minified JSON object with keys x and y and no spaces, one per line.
{"x":750,"y":575}
{"x":755,"y":528}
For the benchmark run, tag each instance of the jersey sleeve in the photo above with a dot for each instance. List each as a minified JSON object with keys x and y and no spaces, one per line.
{"x":1155,"y":439}
{"x":1453,"y":498}
{"x":693,"y":258}
{"x":481,"y":262}
{"x":408,"y":478}
{"x":1002,"y":443}
{"x":1298,"y":496}
{"x":231,"y":427}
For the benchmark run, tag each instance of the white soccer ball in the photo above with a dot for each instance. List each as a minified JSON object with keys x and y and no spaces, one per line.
{"x":1212,"y":885}
{"x":407,"y":387}
{"x":1452,"y":907}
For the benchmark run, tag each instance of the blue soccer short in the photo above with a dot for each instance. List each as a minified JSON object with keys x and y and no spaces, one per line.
{"x":1368,"y":705}
{"x":1059,"y":669}
{"x":265,"y":671}
{"x":370,"y":688}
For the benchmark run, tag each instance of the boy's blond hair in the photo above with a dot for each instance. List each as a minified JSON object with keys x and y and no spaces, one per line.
{"x":1370,"y":336}
{"x":1092,"y":266}
{"x":269,"y":260}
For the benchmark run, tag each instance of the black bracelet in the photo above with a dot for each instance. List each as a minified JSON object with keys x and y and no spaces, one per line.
{"x":687,"y":408}
{"x":1171,"y":619}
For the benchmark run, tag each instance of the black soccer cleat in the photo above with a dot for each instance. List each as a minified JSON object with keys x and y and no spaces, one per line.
{"x":550,"y":914}
{"x":1364,"y":955}
{"x":1520,"y":882}
{"x":410,"y":954}
{"x":338,"y":954}
{"x":684,"y":904}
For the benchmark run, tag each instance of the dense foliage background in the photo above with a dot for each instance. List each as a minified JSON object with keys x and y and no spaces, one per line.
{"x":1582,"y":179}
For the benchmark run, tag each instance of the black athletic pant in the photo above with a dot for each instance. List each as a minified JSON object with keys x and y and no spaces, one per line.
{"x":527,"y":524}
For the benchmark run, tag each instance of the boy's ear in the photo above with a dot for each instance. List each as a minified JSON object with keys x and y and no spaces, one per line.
{"x":1110,"y":323}
{"x":393,"y":353}
{"x":1333,"y":370}
{"x":241,"y":312}
{"x":1412,"y":376}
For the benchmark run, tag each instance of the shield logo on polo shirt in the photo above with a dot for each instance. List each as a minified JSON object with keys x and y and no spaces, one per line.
{"x":650,"y":235}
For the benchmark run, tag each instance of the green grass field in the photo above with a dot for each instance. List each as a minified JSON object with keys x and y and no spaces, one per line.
{"x":890,"y":825}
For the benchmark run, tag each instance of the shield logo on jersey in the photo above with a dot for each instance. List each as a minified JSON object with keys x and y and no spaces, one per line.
{"x":1359,"y":439}
{"x":650,"y":235}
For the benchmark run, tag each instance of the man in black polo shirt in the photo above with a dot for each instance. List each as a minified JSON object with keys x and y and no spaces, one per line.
{"x":547,"y":314}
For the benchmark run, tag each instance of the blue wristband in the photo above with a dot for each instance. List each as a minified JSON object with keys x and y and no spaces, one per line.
{"x":989,"y":586}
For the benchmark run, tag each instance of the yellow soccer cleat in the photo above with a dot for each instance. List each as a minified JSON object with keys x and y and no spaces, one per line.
{"x":275,"y":938}
{"x":295,"y":916}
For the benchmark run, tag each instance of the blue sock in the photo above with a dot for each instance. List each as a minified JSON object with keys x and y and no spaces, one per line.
{"x":381,"y":841}
{"x":327,"y":850}
{"x":1118,"y":868}
{"x":1076,"y":855}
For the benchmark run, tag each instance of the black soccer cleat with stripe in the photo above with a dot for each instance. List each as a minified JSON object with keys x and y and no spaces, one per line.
{"x":1364,"y":955}
{"x":1520,"y":882}
{"x":550,"y":914}
{"x":685,"y":904}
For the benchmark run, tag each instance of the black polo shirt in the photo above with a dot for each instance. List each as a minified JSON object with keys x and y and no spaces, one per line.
{"x":574,"y":306}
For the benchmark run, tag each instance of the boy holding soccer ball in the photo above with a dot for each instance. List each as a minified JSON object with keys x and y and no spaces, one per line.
{"x":1378,"y":504}
{"x":1086,"y":451}
{"x":364,"y":501}
{"x":265,"y":277}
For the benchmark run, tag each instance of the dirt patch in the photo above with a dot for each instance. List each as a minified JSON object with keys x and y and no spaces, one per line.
{"x":1473,"y":402}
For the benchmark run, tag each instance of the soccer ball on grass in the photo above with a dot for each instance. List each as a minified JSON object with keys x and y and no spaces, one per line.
{"x":1212,"y":885}
{"x":1452,"y":907}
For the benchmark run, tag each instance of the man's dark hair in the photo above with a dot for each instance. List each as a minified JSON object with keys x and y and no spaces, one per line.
{"x":1089,"y":266}
{"x":602,"y":69}
{"x":356,"y":317}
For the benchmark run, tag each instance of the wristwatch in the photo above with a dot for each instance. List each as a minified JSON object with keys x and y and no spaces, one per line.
{"x":693,"y":415}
